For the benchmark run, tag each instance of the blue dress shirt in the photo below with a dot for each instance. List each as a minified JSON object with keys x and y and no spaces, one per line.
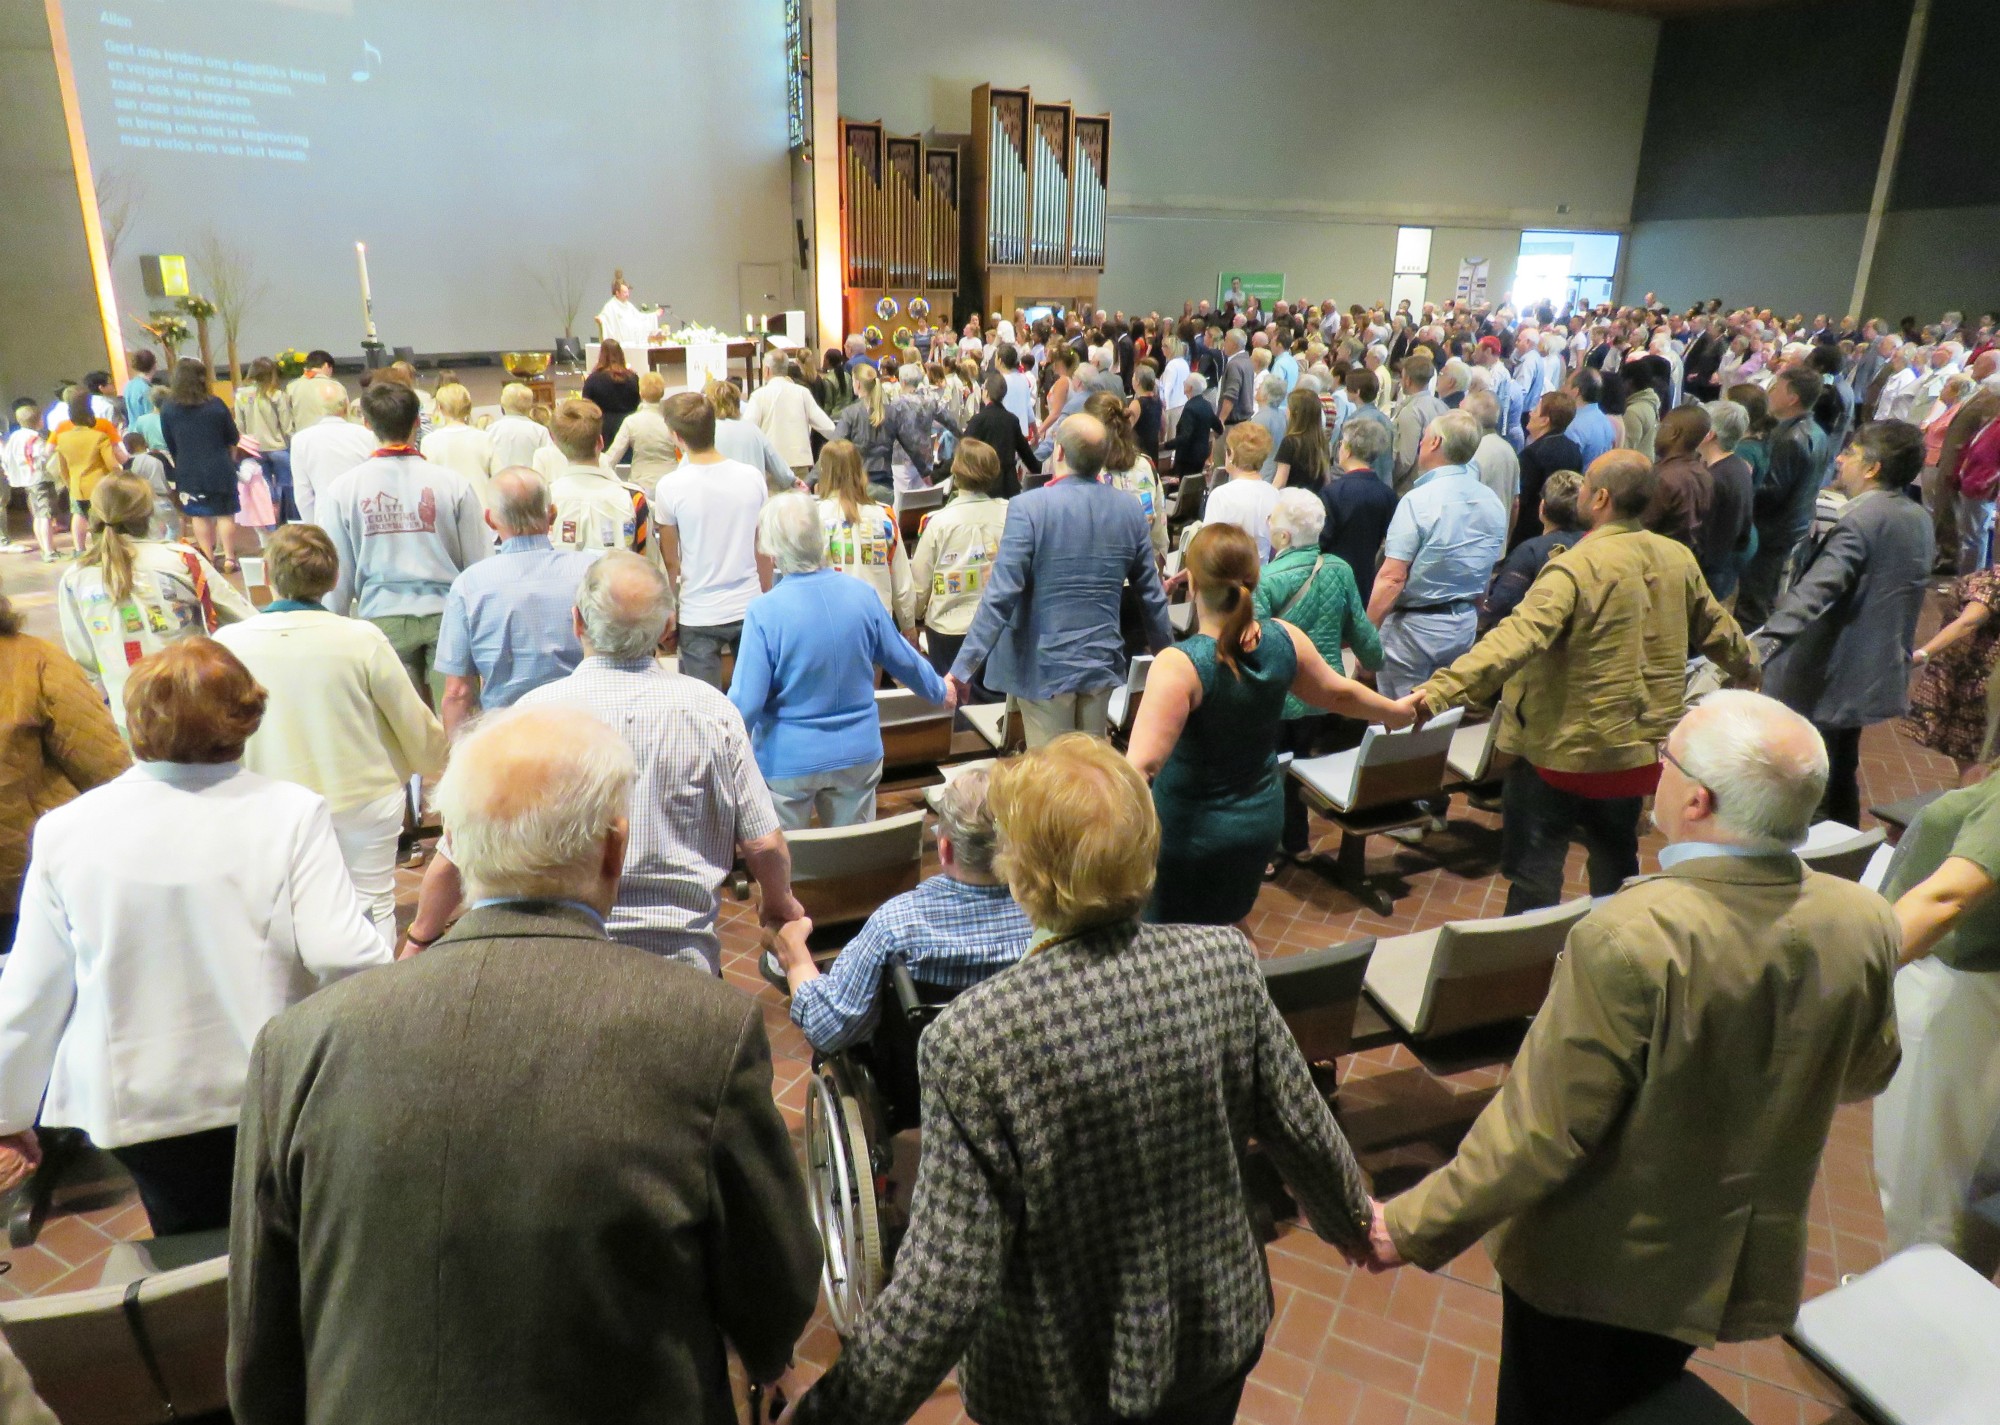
{"x":1450,"y":529}
{"x":805,"y":673}
{"x":507,"y":619}
{"x":1593,"y":432}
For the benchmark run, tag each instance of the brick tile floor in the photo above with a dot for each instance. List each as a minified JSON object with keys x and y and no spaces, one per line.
{"x":1345,"y":1348}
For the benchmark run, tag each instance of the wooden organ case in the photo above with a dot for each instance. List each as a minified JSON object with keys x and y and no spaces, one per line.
{"x":1038,"y":182}
{"x":900,"y":233}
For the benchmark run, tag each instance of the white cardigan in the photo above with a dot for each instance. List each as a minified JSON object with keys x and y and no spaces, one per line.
{"x":167,"y":915}
{"x":344,"y":718}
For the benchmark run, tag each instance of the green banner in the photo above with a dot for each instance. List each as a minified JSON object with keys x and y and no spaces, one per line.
{"x":1266,"y":287}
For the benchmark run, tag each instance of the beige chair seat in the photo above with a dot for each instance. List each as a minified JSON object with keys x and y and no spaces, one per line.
{"x":1470,"y":973}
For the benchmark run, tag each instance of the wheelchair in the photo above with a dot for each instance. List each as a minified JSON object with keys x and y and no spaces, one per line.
{"x":857,"y":1101}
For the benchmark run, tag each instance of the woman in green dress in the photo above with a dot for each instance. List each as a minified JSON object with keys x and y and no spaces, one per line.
{"x":1207,"y":735}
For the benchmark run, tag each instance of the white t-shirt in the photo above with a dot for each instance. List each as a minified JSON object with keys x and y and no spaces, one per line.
{"x":20,"y":457}
{"x":1247,"y":504}
{"x":714,"y":508}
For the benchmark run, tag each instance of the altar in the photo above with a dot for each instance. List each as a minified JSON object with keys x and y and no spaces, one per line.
{"x":689,"y":366}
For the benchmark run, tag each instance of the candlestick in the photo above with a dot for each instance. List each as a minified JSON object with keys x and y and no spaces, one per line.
{"x":367,"y":301}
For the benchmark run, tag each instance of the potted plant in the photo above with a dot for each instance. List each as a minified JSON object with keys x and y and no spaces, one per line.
{"x":562,"y":279}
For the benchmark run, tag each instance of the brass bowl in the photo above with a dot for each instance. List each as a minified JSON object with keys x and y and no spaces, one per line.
{"x":526,"y":364}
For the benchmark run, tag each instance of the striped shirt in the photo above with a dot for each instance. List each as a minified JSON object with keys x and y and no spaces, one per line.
{"x":945,"y":932}
{"x":698,"y":795}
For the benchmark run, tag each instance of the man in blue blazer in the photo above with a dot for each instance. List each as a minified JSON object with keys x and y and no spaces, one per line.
{"x":1048,"y":629}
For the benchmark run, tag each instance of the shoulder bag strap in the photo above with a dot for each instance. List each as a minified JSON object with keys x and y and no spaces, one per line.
{"x":1300,"y":592}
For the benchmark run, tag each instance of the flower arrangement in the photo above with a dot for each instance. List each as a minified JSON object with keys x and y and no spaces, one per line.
{"x":695,"y":334}
{"x":169,"y":329}
{"x":291,"y":363}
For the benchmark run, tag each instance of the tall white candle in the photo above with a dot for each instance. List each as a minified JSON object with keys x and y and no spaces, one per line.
{"x":367,"y":301}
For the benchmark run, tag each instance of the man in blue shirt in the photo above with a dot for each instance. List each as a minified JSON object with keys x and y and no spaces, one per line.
{"x":507,"y":624}
{"x":1593,"y":431}
{"x":1050,"y":616}
{"x":951,"y":932}
{"x":1444,"y":539}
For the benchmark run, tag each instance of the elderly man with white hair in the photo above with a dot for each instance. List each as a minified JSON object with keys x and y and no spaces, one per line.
{"x":606,"y":1185}
{"x":1641,"y":1203}
{"x":805,"y":674}
{"x":1271,"y":415}
{"x":1498,"y":466}
{"x":328,"y":448}
{"x":1899,"y":391}
{"x":699,"y":802}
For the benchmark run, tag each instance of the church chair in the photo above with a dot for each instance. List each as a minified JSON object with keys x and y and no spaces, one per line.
{"x":1912,"y":1341}
{"x":1474,"y":764}
{"x":1840,"y":850}
{"x":1318,"y":993}
{"x":1125,"y":700}
{"x":916,"y":735}
{"x":132,"y":1353}
{"x":841,"y":874}
{"x":1379,"y":786}
{"x":1898,"y":815}
{"x":1470,"y":973}
{"x":912,"y":506}
{"x":998,"y":725}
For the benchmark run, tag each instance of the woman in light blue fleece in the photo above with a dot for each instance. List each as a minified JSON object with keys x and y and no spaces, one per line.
{"x":805,"y":675}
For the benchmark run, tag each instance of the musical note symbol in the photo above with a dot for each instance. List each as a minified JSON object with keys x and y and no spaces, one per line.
{"x":364,"y":74}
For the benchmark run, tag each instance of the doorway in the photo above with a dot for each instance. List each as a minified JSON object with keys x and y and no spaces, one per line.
{"x":1564,"y":268}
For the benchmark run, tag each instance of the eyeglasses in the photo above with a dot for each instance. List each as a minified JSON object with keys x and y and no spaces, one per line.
{"x":1714,"y":801}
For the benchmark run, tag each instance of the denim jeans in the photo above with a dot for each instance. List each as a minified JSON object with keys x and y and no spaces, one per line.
{"x":842,"y":796}
{"x":1975,"y":534}
{"x":1536,"y":823}
{"x":702,"y":650}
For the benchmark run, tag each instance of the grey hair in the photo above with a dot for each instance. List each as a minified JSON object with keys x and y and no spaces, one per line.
{"x":1484,"y":407}
{"x":1458,"y":436}
{"x":1365,"y":439}
{"x":1301,"y":514}
{"x":1271,"y":387}
{"x":527,"y":798}
{"x":625,"y":604}
{"x":791,"y":532}
{"x":1459,"y":372}
{"x":1728,"y":423}
{"x":1551,"y":343}
{"x":1765,"y":795}
{"x":966,"y":820}
{"x":522,"y":497}
{"x":910,"y":374}
{"x":1196,"y":383}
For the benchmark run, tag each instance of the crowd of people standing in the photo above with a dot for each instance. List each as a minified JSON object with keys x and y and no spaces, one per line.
{"x":1553,"y":513}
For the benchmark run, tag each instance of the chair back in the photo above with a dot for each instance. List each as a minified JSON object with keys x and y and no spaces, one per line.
{"x":1124,"y":708}
{"x":1840,"y":850}
{"x":999,"y":724}
{"x":1490,"y":971}
{"x":914,"y":733}
{"x":1472,"y":756}
{"x":912,"y":506}
{"x":842,"y":874}
{"x":1317,"y":993}
{"x":1399,"y":766}
{"x":84,"y":1352}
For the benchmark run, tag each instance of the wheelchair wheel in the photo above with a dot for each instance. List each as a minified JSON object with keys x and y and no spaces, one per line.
{"x":840,"y":1180}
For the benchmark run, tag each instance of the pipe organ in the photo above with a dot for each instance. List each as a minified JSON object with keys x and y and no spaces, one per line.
{"x":1038,"y":185}
{"x":899,"y":230}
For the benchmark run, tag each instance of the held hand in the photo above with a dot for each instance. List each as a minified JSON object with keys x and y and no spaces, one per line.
{"x":780,"y":910}
{"x":961,"y":689}
{"x":787,"y":942}
{"x":1177,"y":582}
{"x":1411,"y":711}
{"x":20,"y":1155}
{"x":950,"y":696}
{"x":1381,"y":1246}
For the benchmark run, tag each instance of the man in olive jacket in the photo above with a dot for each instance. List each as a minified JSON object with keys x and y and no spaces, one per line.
{"x":1591,"y":669}
{"x":530,"y":1176}
{"x":1646,"y":1170}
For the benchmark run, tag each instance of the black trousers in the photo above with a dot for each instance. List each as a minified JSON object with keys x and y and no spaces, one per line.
{"x":1536,"y":823}
{"x":1556,"y":1370}
{"x":184,"y":1181}
{"x":1299,"y":736}
{"x":1843,"y":774}
{"x":1215,"y":1406}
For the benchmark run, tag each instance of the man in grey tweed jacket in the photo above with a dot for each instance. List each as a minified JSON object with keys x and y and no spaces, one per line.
{"x":1079,"y":1245}
{"x":531,"y":1175}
